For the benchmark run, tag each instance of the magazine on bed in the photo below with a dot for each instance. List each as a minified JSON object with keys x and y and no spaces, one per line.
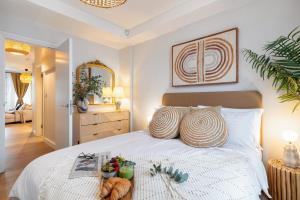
{"x":88,"y":165}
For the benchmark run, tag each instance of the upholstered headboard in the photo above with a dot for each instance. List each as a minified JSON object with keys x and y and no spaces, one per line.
{"x":231,"y":99}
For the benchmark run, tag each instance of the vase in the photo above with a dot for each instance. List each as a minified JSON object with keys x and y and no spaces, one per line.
{"x":82,"y":105}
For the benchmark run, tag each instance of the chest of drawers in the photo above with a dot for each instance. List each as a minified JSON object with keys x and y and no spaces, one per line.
{"x":96,"y":125}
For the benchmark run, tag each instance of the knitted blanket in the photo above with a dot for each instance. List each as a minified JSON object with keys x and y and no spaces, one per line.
{"x":213,"y":175}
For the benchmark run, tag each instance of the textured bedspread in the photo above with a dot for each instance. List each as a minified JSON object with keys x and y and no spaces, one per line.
{"x":215,"y":173}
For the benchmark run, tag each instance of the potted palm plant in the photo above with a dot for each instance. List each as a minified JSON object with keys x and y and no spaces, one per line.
{"x":85,"y":87}
{"x":280,"y":63}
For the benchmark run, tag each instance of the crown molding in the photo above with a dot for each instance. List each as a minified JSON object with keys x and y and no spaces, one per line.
{"x":32,"y":41}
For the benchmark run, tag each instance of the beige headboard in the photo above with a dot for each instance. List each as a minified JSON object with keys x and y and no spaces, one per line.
{"x":231,"y":99}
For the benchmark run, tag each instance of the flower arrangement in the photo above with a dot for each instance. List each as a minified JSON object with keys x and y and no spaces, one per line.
{"x":84,"y":87}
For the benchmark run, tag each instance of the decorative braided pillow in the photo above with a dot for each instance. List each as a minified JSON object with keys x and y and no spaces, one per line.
{"x":166,"y":121}
{"x":204,"y":128}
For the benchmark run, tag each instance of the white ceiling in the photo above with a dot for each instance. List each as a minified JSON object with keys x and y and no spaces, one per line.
{"x":132,"y":23}
{"x":132,"y":13}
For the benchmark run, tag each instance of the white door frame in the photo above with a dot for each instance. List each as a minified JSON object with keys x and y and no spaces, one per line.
{"x":12,"y":36}
{"x":2,"y":105}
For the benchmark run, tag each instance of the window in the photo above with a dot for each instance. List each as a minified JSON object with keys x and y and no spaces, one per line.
{"x":10,"y":94}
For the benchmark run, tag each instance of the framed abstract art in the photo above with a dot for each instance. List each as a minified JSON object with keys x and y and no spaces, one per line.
{"x":205,"y":61}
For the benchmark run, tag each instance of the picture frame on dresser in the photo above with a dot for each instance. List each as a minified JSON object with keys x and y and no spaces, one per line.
{"x":208,"y":60}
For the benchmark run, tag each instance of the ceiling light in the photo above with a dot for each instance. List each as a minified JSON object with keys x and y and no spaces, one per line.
{"x":104,"y":3}
{"x":17,"y":48}
{"x":26,"y":77}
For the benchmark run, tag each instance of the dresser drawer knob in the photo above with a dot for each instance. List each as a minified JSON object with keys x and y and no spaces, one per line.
{"x":95,"y":134}
{"x":119,"y":129}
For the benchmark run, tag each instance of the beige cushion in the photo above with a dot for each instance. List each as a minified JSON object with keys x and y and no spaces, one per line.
{"x":204,"y":128}
{"x":166,"y":121}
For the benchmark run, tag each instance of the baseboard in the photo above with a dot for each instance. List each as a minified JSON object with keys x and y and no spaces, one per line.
{"x":50,"y":143}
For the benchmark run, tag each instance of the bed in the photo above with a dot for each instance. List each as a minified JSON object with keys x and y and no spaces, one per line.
{"x":228,"y":172}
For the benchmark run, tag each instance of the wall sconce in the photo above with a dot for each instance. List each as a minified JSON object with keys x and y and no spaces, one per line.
{"x":290,"y":153}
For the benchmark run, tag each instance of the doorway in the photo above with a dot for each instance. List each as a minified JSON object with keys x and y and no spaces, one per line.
{"x":27,"y":139}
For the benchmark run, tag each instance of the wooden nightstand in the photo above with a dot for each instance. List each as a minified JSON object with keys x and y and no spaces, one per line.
{"x":96,"y":125}
{"x":284,"y":181}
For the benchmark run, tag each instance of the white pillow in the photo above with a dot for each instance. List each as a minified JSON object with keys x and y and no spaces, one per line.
{"x":243,"y":125}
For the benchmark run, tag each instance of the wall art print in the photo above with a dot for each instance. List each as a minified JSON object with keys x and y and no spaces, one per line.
{"x":209,"y":60}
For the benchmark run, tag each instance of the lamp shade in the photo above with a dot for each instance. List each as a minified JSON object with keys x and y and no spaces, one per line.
{"x":107,"y":92}
{"x":290,"y":135}
{"x":26,"y":77}
{"x":118,"y":92}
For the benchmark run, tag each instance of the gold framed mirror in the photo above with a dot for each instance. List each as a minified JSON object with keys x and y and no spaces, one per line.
{"x":96,"y":68}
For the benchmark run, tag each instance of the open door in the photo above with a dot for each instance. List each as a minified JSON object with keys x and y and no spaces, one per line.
{"x":2,"y":109}
{"x":63,"y":93}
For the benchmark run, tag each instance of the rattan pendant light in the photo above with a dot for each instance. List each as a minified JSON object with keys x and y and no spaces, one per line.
{"x":104,"y":3}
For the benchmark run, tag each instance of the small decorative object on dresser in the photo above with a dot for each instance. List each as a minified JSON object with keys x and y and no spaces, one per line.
{"x":96,"y":125}
{"x":284,"y":181}
{"x":290,"y":154}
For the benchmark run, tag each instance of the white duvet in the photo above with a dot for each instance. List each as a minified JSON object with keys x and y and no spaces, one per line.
{"x":229,"y":172}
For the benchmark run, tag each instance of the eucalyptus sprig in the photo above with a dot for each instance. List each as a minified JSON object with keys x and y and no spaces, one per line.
{"x":177,"y":175}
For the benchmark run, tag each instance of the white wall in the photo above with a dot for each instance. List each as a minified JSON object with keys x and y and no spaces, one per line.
{"x":85,"y":51}
{"x":2,"y":126}
{"x":126,"y":79}
{"x":258,"y":23}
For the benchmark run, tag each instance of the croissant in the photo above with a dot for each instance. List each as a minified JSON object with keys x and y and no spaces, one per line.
{"x":120,"y":189}
{"x":108,"y":186}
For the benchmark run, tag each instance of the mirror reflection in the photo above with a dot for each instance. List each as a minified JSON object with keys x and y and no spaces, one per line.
{"x":96,"y":68}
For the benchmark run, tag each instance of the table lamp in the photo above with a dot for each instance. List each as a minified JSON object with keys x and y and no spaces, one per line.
{"x":106,"y":94}
{"x":118,"y":93}
{"x":290,"y":153}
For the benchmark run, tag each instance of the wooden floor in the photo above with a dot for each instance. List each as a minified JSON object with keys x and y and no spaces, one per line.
{"x":21,"y":148}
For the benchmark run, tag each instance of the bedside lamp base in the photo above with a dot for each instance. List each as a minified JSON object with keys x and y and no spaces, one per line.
{"x":118,"y":105}
{"x":291,"y":156}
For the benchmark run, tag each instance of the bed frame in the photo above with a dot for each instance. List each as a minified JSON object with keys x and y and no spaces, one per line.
{"x":230,"y":99}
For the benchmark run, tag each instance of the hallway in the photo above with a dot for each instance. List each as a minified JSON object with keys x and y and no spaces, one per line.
{"x":21,"y":148}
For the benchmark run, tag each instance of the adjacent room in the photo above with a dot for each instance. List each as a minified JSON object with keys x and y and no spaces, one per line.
{"x":149,"y":100}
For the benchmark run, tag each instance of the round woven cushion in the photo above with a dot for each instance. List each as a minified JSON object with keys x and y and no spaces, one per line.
{"x":203,"y":128}
{"x":165,"y":123}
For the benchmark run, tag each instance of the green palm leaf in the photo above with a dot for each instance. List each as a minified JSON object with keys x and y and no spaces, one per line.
{"x":280,"y":63}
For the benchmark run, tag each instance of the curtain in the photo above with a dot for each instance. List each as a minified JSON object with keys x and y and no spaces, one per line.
{"x":20,"y":88}
{"x":10,"y":95}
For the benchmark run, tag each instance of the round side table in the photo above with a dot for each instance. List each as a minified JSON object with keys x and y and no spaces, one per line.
{"x":284,"y":182}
